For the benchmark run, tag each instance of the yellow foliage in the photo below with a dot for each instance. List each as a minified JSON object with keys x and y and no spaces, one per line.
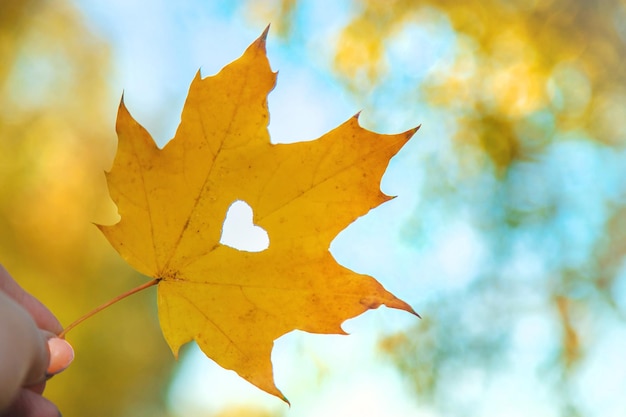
{"x":509,"y":60}
{"x":173,"y":201}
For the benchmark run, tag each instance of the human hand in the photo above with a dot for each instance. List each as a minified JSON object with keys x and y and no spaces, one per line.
{"x":29,"y":352}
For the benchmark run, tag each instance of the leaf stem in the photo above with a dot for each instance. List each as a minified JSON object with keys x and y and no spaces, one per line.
{"x":107,"y":304}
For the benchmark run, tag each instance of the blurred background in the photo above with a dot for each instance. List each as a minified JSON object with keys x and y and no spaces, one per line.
{"x":508,"y":235}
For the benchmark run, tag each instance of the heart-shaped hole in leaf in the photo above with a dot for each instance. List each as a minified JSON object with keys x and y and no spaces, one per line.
{"x":239,"y":231}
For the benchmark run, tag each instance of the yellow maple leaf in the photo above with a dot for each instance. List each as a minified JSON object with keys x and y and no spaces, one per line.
{"x":172,"y":203}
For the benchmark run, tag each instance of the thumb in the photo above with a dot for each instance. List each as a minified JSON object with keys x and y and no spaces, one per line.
{"x":61,"y":355}
{"x":55,"y":355}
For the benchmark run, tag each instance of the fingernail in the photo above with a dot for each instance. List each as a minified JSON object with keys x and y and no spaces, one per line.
{"x":61,"y":355}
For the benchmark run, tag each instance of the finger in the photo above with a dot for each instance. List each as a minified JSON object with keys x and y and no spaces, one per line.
{"x":58,"y":356}
{"x":43,"y":317}
{"x":31,"y":404}
{"x":23,"y":350}
{"x":61,"y":355}
{"x":38,"y":388}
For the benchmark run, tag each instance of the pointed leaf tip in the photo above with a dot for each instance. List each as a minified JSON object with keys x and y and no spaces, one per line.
{"x":414,"y":313}
{"x":265,"y":32}
{"x":122,"y":114}
{"x":410,"y":310}
{"x":411,"y":132}
{"x":261,"y":41}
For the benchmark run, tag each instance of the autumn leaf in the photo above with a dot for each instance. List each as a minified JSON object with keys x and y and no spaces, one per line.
{"x":173,"y":201}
